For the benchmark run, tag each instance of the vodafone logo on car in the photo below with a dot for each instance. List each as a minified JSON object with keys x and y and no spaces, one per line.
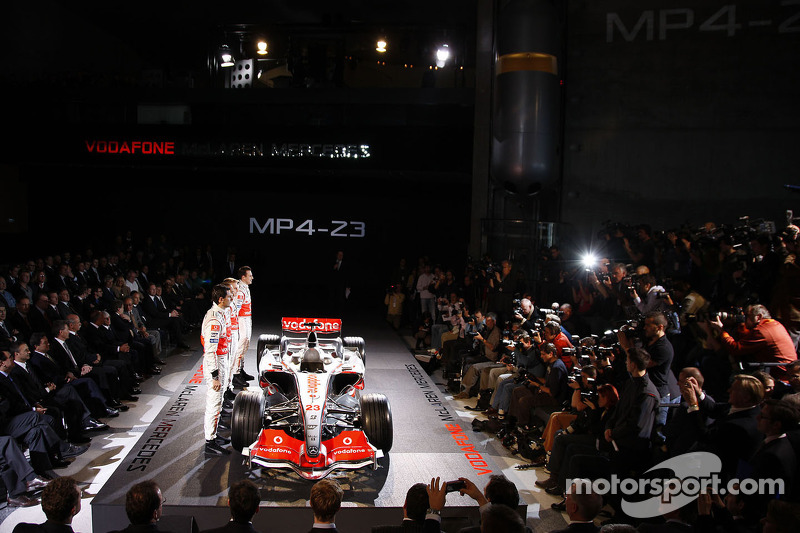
{"x":327,"y":325}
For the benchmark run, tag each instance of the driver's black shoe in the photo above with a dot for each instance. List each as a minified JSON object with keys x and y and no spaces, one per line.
{"x":244,"y":375}
{"x":212,"y":448}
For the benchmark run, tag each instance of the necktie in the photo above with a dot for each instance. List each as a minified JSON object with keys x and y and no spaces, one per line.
{"x":69,"y":353}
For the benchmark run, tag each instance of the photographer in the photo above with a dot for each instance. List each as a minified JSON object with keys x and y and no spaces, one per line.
{"x":759,"y":339}
{"x":427,"y":300}
{"x":660,"y":353}
{"x":614,"y":292}
{"x":654,"y":298}
{"x":526,"y":314}
{"x":466,"y":341}
{"x":488,"y":356}
{"x":503,"y":285}
{"x":580,"y":441}
{"x":449,"y":318}
{"x":549,"y":392}
{"x":528,"y":363}
{"x":574,"y":419}
{"x":551,"y":333}
{"x":394,"y":300}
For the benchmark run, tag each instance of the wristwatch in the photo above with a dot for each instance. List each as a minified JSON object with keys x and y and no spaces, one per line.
{"x":434,"y":511}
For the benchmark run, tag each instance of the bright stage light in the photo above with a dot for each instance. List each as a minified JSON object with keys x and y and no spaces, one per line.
{"x":589,"y":261}
{"x":442,"y":55}
{"x":380,"y":46}
{"x":226,"y":56}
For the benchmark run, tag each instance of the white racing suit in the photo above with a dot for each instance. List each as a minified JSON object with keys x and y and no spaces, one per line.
{"x":244,"y":305}
{"x":215,"y":338}
{"x":233,"y":321}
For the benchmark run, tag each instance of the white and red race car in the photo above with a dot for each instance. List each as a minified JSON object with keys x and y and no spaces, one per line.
{"x":309,"y":414}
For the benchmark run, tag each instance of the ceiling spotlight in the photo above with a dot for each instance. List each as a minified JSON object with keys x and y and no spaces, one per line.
{"x":261,"y":48}
{"x":380,"y":46}
{"x":442,"y":55}
{"x":226,"y":56}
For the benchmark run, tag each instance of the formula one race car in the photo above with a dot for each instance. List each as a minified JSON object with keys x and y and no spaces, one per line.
{"x":309,"y":414}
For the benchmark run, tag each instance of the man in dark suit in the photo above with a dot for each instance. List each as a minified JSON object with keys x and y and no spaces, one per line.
{"x":21,"y":320}
{"x":326,"y":499}
{"x":63,"y":402}
{"x":101,"y":340}
{"x":17,"y":475}
{"x":415,"y":510}
{"x":106,"y":378}
{"x":582,"y":506}
{"x":34,"y":427}
{"x":64,"y":305}
{"x":243,"y":500}
{"x":121,"y":374}
{"x":734,"y":434}
{"x":774,"y":458}
{"x":7,"y":334}
{"x":39,"y":316}
{"x":144,"y":507}
{"x":61,"y":501}
{"x":124,"y":331}
{"x":52,"y":371}
{"x":157,"y":315}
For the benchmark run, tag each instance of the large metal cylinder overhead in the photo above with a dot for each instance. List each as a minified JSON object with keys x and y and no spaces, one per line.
{"x":526,"y":106}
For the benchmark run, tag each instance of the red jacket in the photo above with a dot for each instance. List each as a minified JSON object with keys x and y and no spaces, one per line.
{"x":768,"y":342}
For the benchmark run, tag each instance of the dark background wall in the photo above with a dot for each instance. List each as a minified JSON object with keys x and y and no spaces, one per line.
{"x":680,"y":111}
{"x":672,"y":112}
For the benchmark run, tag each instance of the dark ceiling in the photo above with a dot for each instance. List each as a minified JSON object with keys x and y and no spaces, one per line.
{"x":58,"y":39}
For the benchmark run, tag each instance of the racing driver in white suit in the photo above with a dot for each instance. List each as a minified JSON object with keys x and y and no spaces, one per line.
{"x":244,"y":305}
{"x":215,"y":338}
{"x":233,"y":320}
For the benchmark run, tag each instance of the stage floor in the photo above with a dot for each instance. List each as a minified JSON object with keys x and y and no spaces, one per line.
{"x":432,"y":437}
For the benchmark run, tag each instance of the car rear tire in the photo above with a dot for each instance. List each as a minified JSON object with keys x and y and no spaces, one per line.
{"x":376,"y":417}
{"x":358,"y":344}
{"x":246,"y":419}
{"x":265,"y":341}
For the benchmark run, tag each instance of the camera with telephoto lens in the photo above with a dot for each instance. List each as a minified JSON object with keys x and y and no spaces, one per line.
{"x":735,"y":314}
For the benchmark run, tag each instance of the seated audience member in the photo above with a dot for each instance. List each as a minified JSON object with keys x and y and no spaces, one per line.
{"x":143,"y":505}
{"x":582,"y":506}
{"x":733,"y":435}
{"x":17,"y":475}
{"x":51,"y":370}
{"x":716,"y":515}
{"x":498,"y":491}
{"x":325,"y":499}
{"x":243,"y":500}
{"x":782,"y":517}
{"x":62,"y":403}
{"x":496,"y":518}
{"x":775,"y":458}
{"x":61,"y":501}
{"x":416,"y":508}
{"x":684,"y":427}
